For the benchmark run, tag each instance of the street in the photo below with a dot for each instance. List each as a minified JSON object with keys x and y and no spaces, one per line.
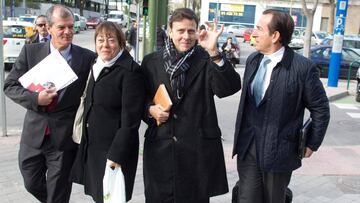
{"x":337,"y":173}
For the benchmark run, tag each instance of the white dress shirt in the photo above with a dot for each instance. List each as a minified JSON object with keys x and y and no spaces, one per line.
{"x":275,"y":59}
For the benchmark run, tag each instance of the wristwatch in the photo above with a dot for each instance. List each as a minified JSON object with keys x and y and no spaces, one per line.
{"x":218,"y":56}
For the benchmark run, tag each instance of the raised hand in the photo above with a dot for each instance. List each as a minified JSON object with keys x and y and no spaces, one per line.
{"x":208,"y":39}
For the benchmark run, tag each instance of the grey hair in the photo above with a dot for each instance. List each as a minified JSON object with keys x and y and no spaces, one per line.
{"x":64,"y":12}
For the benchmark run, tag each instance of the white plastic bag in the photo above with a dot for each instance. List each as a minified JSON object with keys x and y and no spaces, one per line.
{"x":114,"y":185}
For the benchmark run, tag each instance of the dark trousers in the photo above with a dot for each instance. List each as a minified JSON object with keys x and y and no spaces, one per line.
{"x":46,"y":172}
{"x":170,"y":199}
{"x":257,"y":186}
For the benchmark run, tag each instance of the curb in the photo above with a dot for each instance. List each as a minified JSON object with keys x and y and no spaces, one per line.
{"x":338,"y":96}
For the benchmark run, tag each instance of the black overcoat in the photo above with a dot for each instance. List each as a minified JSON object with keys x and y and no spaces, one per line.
{"x":184,"y":158}
{"x":113,"y":108}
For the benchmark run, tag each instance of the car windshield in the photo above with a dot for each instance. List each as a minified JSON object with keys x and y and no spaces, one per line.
{"x":27,"y":19}
{"x":14,"y":31}
{"x":115,"y":16}
{"x":351,"y":44}
{"x":93,"y":19}
{"x":322,"y":35}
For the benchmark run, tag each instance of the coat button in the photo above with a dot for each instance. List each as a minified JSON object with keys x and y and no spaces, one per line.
{"x":174,"y":138}
{"x":175,"y":116}
{"x":87,"y":125}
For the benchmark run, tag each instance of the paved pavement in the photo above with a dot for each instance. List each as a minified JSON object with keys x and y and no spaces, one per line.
{"x":331,"y":175}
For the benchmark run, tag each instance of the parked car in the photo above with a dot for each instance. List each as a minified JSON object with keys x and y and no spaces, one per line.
{"x":317,"y":37}
{"x":223,"y":38}
{"x":93,"y":22}
{"x":14,"y":37}
{"x":77,"y":23}
{"x":247,"y":33}
{"x":296,"y":42}
{"x":321,"y":54}
{"x":118,"y":17}
{"x":237,"y":30}
{"x":252,"y":40}
{"x":358,"y":85}
{"x":351,"y":42}
{"x":83,"y":23}
{"x":80,"y":22}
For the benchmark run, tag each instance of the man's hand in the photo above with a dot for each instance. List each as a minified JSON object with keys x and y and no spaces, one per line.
{"x":46,"y":96}
{"x":112,"y":164}
{"x":208,"y":39}
{"x":159,"y":113}
{"x":308,"y":152}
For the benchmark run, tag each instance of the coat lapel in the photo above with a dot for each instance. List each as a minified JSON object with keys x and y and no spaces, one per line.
{"x":162,"y":74}
{"x":75,"y":63}
{"x":196,"y":65}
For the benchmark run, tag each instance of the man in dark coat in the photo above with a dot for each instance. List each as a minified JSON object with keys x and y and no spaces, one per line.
{"x":278,"y":85}
{"x":41,"y":32}
{"x":131,"y":38}
{"x":183,"y":155}
{"x":47,"y":151}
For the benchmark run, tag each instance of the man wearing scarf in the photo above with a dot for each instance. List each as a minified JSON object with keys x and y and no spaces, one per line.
{"x":183,"y":154}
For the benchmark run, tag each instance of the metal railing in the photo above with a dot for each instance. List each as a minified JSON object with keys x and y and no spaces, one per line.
{"x":349,"y":72}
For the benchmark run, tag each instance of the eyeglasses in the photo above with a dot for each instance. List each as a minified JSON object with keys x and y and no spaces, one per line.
{"x":41,"y":25}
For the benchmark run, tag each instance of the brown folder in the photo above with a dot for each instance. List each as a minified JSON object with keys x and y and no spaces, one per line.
{"x":162,"y":97}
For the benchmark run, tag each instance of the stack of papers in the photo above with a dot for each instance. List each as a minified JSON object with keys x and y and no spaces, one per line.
{"x":52,"y":71}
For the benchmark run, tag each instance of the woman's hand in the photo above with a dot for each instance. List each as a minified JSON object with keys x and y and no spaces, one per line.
{"x":112,"y":164}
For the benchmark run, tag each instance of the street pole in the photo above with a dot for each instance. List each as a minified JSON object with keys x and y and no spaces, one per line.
{"x":2,"y":77}
{"x":162,"y":12}
{"x":217,"y":11}
{"x":144,"y":39}
{"x":137,"y":32}
{"x":339,"y":28}
{"x":152,"y":25}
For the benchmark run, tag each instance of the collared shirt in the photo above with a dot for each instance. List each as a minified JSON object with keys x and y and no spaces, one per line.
{"x":41,"y":38}
{"x":66,"y":53}
{"x":275,"y":59}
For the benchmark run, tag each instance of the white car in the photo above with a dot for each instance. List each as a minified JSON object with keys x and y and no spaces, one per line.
{"x":237,"y":30}
{"x":15,"y":33}
{"x":318,"y":37}
{"x":118,"y":17}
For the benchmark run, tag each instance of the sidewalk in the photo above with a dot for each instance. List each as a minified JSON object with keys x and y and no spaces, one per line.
{"x":331,"y":175}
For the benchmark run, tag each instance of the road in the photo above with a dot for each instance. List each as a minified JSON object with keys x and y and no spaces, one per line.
{"x":342,"y":141}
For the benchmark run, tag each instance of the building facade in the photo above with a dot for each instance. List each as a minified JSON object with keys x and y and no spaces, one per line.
{"x":248,"y":12}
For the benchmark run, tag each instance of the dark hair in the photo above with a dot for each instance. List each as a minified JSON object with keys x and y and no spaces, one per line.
{"x":183,"y":13}
{"x":41,"y":16}
{"x":64,"y":13}
{"x":281,"y":22}
{"x":109,"y":29}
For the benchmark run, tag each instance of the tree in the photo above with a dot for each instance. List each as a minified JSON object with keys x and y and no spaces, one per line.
{"x":309,"y":13}
{"x":330,"y":27}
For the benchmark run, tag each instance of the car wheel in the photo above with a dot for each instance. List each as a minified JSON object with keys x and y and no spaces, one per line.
{"x":8,"y":66}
